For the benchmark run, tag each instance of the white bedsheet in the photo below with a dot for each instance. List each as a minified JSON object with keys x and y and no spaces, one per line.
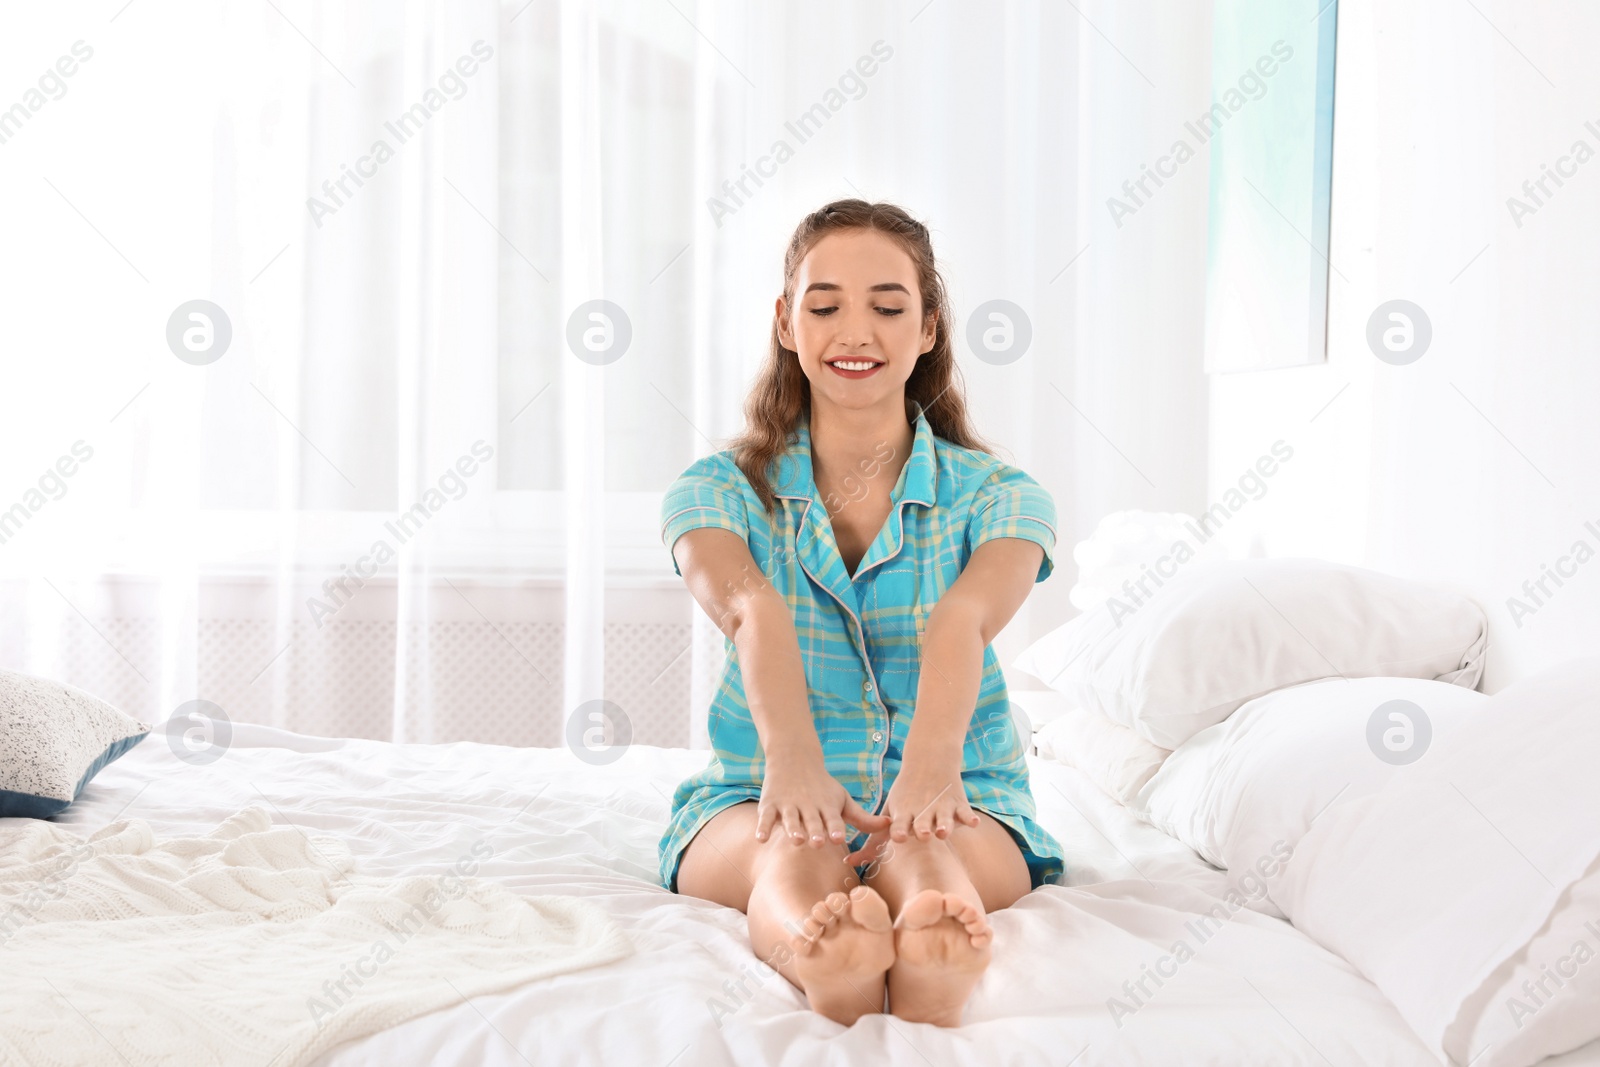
{"x":1255,"y":990}
{"x":137,"y":928}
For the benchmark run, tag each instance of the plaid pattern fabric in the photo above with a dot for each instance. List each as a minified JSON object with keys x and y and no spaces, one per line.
{"x":860,"y":637}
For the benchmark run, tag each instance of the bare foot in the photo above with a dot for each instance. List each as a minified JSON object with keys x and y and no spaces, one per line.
{"x":941,"y":950}
{"x":844,"y":953}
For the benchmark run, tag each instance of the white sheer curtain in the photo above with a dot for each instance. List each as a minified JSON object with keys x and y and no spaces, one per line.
{"x":416,"y":496}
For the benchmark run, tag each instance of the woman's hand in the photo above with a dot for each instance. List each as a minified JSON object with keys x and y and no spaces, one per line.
{"x":808,"y":805}
{"x":924,"y":801}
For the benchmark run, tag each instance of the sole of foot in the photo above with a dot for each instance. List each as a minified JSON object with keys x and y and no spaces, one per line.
{"x":847,"y":950}
{"x":942,"y":947}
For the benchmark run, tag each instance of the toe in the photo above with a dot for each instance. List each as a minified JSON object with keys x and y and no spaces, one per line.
{"x":869,"y":910}
{"x":924,"y":909}
{"x":968,"y":914}
{"x":959,"y":908}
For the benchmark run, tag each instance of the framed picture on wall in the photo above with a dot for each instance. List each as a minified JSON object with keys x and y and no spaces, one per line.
{"x":1270,"y":131}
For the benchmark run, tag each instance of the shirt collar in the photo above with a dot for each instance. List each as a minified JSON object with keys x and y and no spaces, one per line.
{"x":791,"y":475}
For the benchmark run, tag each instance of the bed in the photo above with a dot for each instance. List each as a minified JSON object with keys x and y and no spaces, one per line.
{"x":1256,"y":990}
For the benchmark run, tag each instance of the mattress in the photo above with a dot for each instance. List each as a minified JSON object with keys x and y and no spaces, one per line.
{"x":1089,"y":972}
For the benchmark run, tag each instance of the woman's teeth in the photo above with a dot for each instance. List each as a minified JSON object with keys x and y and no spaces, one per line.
{"x":851,"y":364}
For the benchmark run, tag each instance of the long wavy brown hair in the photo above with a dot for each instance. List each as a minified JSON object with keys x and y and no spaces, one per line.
{"x":781,"y":394}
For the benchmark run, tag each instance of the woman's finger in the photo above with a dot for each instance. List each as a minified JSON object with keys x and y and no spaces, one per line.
{"x":815,"y":827}
{"x":862,"y":819}
{"x":835,"y":825}
{"x":793,"y":828}
{"x":870,"y":851}
{"x":766,"y":815}
{"x":965,"y":813}
{"x":899,"y":825}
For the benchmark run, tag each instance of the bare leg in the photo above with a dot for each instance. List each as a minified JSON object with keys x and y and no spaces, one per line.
{"x":810,"y":917}
{"x":940,"y":893}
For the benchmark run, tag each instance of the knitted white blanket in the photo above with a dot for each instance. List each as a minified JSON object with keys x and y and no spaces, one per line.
{"x":254,"y":945}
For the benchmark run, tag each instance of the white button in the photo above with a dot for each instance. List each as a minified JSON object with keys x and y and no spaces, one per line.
{"x":866,"y":687}
{"x":877,"y":735}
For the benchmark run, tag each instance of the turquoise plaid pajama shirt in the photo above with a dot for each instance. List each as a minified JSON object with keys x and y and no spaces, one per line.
{"x":860,"y":636}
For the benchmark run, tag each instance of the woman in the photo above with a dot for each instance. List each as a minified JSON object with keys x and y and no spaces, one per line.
{"x":855,"y":532}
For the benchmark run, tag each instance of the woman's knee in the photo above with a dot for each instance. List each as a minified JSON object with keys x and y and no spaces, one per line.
{"x":985,"y":856}
{"x":724,"y":863}
{"x":818,"y":869}
{"x":1000,"y":871}
{"x":718,"y":862}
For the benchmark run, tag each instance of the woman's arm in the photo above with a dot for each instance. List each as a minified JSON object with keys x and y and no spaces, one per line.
{"x":723,"y":578}
{"x":927,"y":796}
{"x":997,"y":579}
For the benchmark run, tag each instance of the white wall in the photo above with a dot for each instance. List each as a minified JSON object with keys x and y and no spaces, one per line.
{"x":1478,"y":464}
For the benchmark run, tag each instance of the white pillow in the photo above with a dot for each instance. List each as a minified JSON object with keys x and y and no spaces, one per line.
{"x":1542,"y":1000}
{"x":1125,"y":543}
{"x":1430,"y":884}
{"x":1213,"y":636}
{"x":1039,"y":706}
{"x":1235,"y":790}
{"x":1113,"y":757}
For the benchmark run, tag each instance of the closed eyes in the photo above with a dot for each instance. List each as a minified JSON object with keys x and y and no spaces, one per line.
{"x":825,"y":312}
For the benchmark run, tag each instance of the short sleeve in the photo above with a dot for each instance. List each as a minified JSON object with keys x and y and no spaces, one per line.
{"x":709,"y":493}
{"x":1011,"y":504}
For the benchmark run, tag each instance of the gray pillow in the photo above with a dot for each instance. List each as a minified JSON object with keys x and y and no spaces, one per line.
{"x":53,"y":739}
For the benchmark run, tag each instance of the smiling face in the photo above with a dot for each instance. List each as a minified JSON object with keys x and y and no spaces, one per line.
{"x":857,"y":320}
